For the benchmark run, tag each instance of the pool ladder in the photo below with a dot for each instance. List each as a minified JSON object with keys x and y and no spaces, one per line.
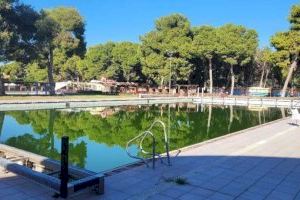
{"x":142,"y":136}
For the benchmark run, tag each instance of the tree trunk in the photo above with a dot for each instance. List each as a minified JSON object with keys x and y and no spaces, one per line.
{"x":51,"y":127}
{"x":230,"y":118}
{"x":2,"y":88}
{"x":282,"y":112}
{"x":50,"y":72}
{"x":210,"y":76}
{"x":209,"y":120}
{"x":289,"y":77}
{"x":232,"y":79}
{"x":266,"y":78}
{"x":162,"y":82}
{"x":262,"y":76}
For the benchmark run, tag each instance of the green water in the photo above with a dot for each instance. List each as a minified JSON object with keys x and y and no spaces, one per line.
{"x":98,"y":136}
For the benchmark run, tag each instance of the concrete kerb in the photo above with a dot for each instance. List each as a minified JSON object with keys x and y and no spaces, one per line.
{"x":193,"y":146}
{"x":183,"y":149}
{"x":38,"y":105}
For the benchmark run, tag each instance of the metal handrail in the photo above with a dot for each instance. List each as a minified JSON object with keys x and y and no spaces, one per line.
{"x":165,"y":137}
{"x":143,"y":135}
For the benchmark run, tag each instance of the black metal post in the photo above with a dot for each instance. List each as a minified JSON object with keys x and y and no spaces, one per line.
{"x":64,"y":170}
{"x":153,"y":152}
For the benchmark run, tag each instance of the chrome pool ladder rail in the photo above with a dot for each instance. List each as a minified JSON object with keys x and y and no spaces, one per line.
{"x":143,"y":135}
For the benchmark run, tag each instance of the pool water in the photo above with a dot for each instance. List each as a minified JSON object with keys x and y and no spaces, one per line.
{"x":98,"y":136}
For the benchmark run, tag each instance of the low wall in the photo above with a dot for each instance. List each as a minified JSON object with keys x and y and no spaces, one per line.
{"x":250,"y":101}
{"x":39,"y":105}
{"x":238,"y":100}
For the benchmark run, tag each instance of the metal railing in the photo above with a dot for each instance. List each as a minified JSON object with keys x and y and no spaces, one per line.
{"x":142,"y":137}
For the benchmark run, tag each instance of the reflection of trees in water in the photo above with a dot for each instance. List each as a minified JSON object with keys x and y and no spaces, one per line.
{"x":209,"y":118}
{"x":43,"y":123}
{"x":187,"y":126}
{"x":2,"y":115}
{"x":43,"y":147}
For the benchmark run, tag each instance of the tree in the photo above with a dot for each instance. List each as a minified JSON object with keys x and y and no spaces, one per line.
{"x":13,"y":71}
{"x":72,"y":69}
{"x":35,"y":74}
{"x":264,"y":60}
{"x":126,"y":57}
{"x":287,"y":45}
{"x":71,"y":37}
{"x":237,"y":47}
{"x":205,"y":43}
{"x":48,"y":30}
{"x":97,"y":61}
{"x":167,"y":49}
{"x":69,"y":42}
{"x":60,"y":36}
{"x":17,"y":33}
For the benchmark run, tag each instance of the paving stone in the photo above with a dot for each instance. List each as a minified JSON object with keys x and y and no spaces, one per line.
{"x":8,"y":191}
{"x":233,"y":189}
{"x":17,"y":196}
{"x":219,"y":196}
{"x":159,"y":197}
{"x":177,"y":191}
{"x":251,"y":196}
{"x":191,"y":197}
{"x":202,"y":192}
{"x":216,"y":183}
{"x":281,"y":196}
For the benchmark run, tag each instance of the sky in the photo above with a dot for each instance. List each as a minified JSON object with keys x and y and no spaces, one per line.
{"x":126,"y":20}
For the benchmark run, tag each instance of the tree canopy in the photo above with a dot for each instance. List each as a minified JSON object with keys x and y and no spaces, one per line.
{"x":166,"y":50}
{"x":49,"y":45}
{"x":287,"y":45}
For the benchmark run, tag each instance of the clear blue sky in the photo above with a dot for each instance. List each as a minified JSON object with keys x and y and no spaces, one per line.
{"x":120,"y":20}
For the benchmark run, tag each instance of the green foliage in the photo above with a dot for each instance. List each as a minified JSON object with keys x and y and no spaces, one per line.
{"x":287,"y":45}
{"x":187,"y":127}
{"x":205,"y":41}
{"x":13,"y":71}
{"x":98,"y":59}
{"x":16,"y":31}
{"x":294,"y":17}
{"x":61,"y":36}
{"x":172,"y":35}
{"x":287,"y":41}
{"x":73,"y":28}
{"x":72,"y":68}
{"x":264,"y":55}
{"x":120,"y":61}
{"x":237,"y":44}
{"x":126,"y":57}
{"x":53,"y":42}
{"x":35,"y":73}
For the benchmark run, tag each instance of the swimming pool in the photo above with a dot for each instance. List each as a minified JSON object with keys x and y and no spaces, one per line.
{"x":98,"y":136}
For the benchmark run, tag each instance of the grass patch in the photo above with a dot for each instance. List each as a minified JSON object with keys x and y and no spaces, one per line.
{"x":177,"y":180}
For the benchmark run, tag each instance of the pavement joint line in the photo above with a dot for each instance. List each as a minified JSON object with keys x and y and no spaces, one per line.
{"x":259,"y":180}
{"x":257,"y":144}
{"x":283,"y":181}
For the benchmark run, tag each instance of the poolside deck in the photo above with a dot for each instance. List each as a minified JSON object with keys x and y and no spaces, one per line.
{"x":259,"y":163}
